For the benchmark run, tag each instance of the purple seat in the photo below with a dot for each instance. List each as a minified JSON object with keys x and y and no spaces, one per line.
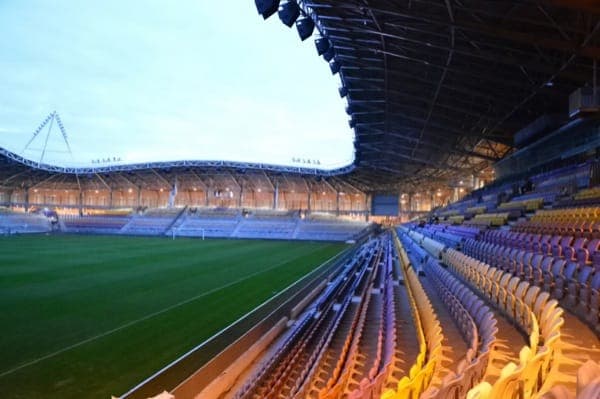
{"x":536,"y":261}
{"x":547,"y":246}
{"x":545,"y":239}
{"x":558,"y":249}
{"x":575,"y":286}
{"x":561,"y":282}
{"x":516,"y":262}
{"x":570,"y":253}
{"x":594,"y":302}
{"x":584,"y":255}
{"x":537,"y":274}
{"x":585,"y":292}
{"x":549,"y":277}
{"x":510,"y":259}
{"x":526,"y":261}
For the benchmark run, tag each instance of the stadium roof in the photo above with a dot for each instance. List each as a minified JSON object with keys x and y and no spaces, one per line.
{"x":436,"y":89}
{"x":439,"y":88}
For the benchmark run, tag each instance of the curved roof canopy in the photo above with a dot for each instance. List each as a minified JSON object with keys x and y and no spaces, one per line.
{"x":437,"y":89}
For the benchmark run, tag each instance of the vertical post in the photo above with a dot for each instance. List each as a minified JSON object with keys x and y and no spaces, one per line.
{"x":308,"y":206}
{"x":368,"y":200}
{"x":241,"y":199}
{"x":110,"y":198}
{"x":8,"y":195}
{"x":80,"y":203}
{"x":206,"y":196}
{"x":26,"y":198}
{"x":139,"y":196}
{"x":337,"y":203}
{"x":276,"y":196}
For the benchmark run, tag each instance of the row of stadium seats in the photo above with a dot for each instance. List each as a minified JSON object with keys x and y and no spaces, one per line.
{"x":489,"y":219}
{"x":575,"y":221}
{"x":566,"y":247}
{"x":22,"y":223}
{"x":588,"y":193}
{"x":147,"y":225}
{"x":430,"y":245}
{"x":522,"y":204}
{"x":476,"y":322}
{"x":516,"y":297}
{"x":94,"y":224}
{"x":328,"y":231}
{"x":342,"y":380}
{"x":531,"y":310}
{"x":182,"y":222}
{"x":300,"y":359}
{"x":195,"y":226}
{"x":429,"y":336}
{"x":579,"y":284}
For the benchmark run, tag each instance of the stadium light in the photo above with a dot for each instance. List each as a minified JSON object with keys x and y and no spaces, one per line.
{"x":305,"y":27}
{"x":322,"y":44}
{"x":289,"y":12}
{"x":334,"y":66}
{"x":329,"y":54}
{"x":266,"y":8}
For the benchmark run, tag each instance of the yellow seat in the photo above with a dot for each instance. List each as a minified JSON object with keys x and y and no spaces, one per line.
{"x":513,"y":299}
{"x":512,"y":284}
{"x":524,"y":306}
{"x":482,"y":390}
{"x":540,"y":302}
{"x":532,"y":373}
{"x":509,"y":383}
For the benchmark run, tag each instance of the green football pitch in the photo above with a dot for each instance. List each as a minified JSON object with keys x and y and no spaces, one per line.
{"x":91,"y":316}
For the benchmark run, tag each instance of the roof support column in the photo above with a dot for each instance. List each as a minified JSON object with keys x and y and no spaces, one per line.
{"x":139,"y":196}
{"x":337,"y":203}
{"x":276,"y":195}
{"x":309,"y":195}
{"x":26,"y":199}
{"x":80,"y":203}
{"x":241,"y":198}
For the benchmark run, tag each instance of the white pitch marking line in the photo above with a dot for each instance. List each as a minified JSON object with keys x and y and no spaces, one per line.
{"x":151,"y":315}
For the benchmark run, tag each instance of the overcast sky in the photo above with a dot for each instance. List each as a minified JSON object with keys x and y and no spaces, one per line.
{"x":165,"y":80}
